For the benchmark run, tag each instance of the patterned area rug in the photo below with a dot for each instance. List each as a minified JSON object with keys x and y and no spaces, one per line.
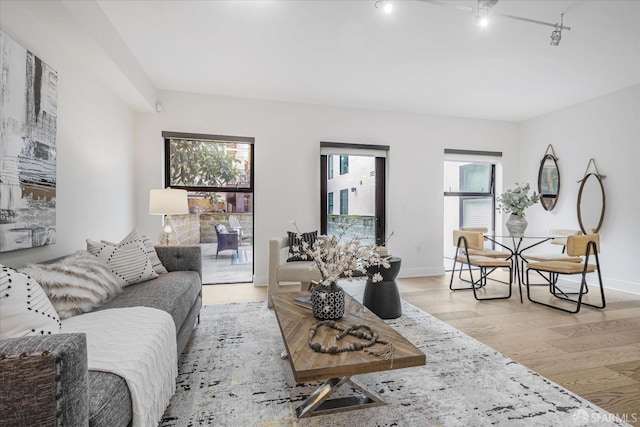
{"x":232,"y":375}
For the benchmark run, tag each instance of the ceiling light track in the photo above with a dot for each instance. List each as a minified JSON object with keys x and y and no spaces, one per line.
{"x":482,"y":14}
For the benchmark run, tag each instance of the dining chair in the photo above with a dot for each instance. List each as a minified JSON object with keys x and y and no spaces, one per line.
{"x":486,"y":251}
{"x":465,"y":241}
{"x":583,"y":246}
{"x":559,"y":238}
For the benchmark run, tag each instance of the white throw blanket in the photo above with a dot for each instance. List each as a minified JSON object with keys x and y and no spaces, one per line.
{"x":138,"y":344}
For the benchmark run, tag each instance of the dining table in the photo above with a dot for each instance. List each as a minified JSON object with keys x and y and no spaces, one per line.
{"x":519,"y":245}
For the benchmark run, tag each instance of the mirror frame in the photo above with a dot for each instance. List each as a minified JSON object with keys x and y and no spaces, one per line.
{"x":550,"y":201}
{"x":584,"y":181}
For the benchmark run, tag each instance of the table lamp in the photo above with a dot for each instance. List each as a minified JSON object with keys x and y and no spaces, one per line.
{"x":168,"y":202}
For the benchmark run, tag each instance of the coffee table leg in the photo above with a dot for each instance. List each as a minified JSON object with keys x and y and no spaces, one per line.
{"x":319,"y":403}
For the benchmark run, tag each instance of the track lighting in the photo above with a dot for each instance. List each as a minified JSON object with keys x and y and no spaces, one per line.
{"x":385,"y":5}
{"x":556,"y":34}
{"x":481,"y":13}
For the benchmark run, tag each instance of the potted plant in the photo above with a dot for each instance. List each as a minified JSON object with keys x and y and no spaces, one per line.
{"x":515,"y":201}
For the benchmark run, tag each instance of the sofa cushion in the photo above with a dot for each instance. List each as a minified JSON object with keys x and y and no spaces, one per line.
{"x":304,"y":271}
{"x":24,"y":307}
{"x":173,"y":292}
{"x":109,"y":400}
{"x":75,"y":284}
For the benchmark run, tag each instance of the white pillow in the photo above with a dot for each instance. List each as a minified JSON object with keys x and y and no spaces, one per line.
{"x":75,"y":284}
{"x":157,"y":265}
{"x":149,"y":247}
{"x":24,"y":307}
{"x":128,"y":260}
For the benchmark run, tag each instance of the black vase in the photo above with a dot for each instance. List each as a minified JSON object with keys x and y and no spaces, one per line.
{"x":327,"y":302}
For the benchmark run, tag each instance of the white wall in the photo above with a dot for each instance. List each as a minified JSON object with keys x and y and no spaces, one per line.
{"x":95,"y":195}
{"x":606,"y":129}
{"x":287,"y":151}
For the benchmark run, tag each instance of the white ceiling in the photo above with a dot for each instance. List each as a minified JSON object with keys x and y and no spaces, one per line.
{"x":422,"y":58}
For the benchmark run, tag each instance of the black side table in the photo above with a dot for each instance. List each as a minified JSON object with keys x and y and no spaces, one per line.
{"x":383,"y":297}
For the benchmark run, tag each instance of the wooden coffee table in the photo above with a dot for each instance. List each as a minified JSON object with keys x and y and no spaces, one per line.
{"x":337,"y":369}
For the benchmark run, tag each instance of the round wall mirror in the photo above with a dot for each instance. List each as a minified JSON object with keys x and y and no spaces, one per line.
{"x":591,"y":203}
{"x":549,"y":182}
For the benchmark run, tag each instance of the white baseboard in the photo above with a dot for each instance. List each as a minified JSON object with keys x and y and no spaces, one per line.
{"x":422,"y":271}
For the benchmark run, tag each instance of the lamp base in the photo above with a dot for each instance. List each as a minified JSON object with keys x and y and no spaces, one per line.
{"x":168,"y":239}
{"x":168,"y":236}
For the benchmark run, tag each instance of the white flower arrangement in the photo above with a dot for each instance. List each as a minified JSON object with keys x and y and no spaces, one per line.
{"x":337,"y":260}
{"x":517,"y":200}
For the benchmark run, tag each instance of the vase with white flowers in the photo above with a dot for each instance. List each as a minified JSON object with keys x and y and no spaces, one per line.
{"x":515,"y":201}
{"x":335,"y":260}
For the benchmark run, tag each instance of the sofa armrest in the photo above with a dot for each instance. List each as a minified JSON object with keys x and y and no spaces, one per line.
{"x":181,"y":257}
{"x":275,"y":248}
{"x":44,"y":381}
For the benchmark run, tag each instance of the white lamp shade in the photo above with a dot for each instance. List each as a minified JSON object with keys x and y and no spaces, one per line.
{"x":168,"y":202}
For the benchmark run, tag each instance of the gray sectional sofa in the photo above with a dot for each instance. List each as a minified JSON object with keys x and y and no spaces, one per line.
{"x":44,"y":380}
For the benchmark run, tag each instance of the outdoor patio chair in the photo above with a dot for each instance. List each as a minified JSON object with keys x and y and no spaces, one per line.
{"x":243,"y":232}
{"x":227,"y":239}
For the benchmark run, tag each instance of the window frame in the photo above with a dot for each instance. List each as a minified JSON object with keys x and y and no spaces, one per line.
{"x":168,"y":136}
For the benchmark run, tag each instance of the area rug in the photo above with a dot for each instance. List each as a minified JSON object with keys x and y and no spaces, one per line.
{"x":232,"y":375}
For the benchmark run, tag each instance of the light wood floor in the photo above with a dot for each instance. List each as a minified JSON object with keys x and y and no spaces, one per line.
{"x":595,"y":353}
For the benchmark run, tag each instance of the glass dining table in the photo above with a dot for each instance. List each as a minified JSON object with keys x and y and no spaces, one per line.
{"x":519,"y":244}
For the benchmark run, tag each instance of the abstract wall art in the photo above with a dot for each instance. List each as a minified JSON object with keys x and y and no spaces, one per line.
{"x":28,"y":123}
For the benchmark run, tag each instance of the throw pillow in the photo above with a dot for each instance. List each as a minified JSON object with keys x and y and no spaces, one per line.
{"x":156,"y":264}
{"x":24,"y":307}
{"x":75,"y":284}
{"x":149,"y":247}
{"x":127,"y":260}
{"x":295,"y":242}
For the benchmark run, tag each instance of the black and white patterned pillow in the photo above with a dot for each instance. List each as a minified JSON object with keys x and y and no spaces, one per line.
{"x":128,"y":260}
{"x":75,"y":284}
{"x":149,"y":247}
{"x":296,"y":252}
{"x":24,"y":307}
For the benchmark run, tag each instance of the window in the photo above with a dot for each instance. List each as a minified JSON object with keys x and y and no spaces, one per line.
{"x":469,"y":193}
{"x":330,"y":167}
{"x":330,"y":204}
{"x":344,"y":201}
{"x":363,"y":182}
{"x":344,"y":165}
{"x":217,"y":172}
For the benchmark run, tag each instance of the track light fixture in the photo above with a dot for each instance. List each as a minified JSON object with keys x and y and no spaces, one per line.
{"x":481,"y":13}
{"x":556,"y":34}
{"x":385,"y":5}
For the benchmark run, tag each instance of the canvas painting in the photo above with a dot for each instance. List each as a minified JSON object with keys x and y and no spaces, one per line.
{"x":28,"y":112}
